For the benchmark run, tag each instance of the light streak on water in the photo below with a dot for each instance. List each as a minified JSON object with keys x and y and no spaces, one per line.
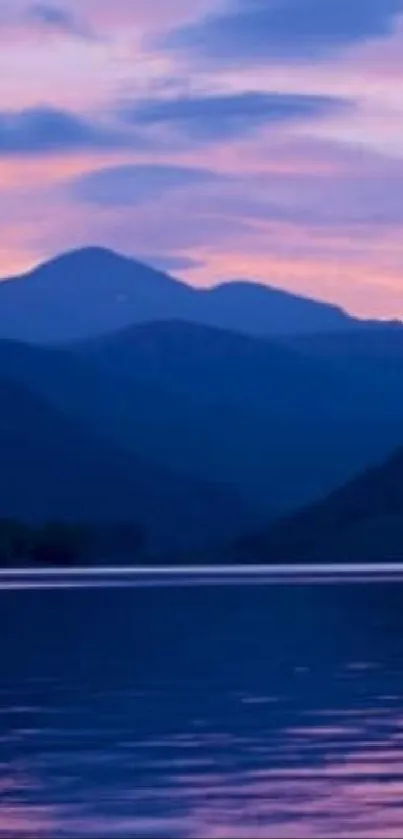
{"x":158,"y":576}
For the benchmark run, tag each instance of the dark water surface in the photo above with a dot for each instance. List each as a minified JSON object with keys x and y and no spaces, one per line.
{"x":214,"y":711}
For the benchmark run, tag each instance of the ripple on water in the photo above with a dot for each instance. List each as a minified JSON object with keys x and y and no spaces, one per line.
{"x":209,"y":713}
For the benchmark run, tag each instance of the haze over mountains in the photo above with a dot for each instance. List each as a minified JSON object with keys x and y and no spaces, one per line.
{"x":94,"y":291}
{"x":199,"y":414}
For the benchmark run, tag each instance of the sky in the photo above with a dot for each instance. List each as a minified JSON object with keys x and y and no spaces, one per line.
{"x":218,"y":139}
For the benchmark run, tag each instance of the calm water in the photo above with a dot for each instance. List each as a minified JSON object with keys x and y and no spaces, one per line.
{"x":214,"y":711}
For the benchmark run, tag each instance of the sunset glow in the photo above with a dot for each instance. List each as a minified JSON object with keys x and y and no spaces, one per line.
{"x":299,"y":140}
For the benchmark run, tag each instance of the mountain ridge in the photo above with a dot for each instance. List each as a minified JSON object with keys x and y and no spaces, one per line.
{"x":360,"y":521}
{"x":280,"y":428}
{"x":94,"y":291}
{"x":56,"y":466}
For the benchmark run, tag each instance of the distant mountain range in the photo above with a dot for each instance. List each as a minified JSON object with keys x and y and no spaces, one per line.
{"x":360,"y":522}
{"x":380,"y":342}
{"x":126,"y":394}
{"x":53,"y":468}
{"x":94,"y":291}
{"x":279,"y":427}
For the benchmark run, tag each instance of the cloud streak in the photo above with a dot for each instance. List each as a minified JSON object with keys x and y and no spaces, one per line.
{"x":46,"y":130}
{"x":57,"y":19}
{"x":224,"y":116}
{"x":341,"y":188}
{"x":263,"y":31}
{"x":131,"y":185}
{"x":171,"y":262}
{"x":158,"y":125}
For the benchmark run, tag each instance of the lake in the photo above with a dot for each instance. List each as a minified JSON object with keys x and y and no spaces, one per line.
{"x":201,"y":711}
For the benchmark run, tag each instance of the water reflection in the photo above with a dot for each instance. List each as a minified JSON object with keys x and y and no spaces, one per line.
{"x":273,"y":712}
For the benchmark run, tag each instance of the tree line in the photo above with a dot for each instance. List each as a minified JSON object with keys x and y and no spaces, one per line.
{"x":68,"y":544}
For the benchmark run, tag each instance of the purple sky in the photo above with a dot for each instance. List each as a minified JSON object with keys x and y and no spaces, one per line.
{"x":258,"y":139}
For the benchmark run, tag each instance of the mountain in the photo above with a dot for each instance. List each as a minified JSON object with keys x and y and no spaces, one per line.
{"x":54,"y":468}
{"x":94,"y":291}
{"x":262,"y":310}
{"x":280,"y":428}
{"x":83,"y":293}
{"x":284,"y":428}
{"x":360,"y":522}
{"x":184,"y":425}
{"x":377,"y":342}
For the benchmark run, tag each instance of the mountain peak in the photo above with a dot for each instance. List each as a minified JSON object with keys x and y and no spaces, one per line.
{"x":94,"y":291}
{"x":92,"y":257}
